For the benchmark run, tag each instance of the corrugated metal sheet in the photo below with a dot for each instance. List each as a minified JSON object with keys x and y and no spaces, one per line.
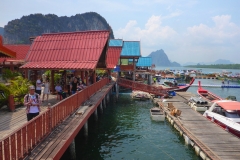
{"x":144,"y":62}
{"x":68,"y":48}
{"x":21,"y":52}
{"x":131,"y":49}
{"x":5,"y":52}
{"x":60,"y":65}
{"x":113,"y":55}
{"x":115,"y":42}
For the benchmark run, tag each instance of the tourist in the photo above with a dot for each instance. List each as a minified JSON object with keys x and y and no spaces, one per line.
{"x":81,"y":86}
{"x":74,"y":85}
{"x":228,"y":81}
{"x":39,"y":86}
{"x":222,"y":82}
{"x":32,"y":102}
{"x":59,"y":90}
{"x":46,"y":89}
{"x":175,"y":82}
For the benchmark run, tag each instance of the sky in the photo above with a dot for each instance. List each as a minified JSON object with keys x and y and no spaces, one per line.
{"x":187,"y":30}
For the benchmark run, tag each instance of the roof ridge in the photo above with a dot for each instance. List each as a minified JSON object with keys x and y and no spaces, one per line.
{"x":76,"y":32}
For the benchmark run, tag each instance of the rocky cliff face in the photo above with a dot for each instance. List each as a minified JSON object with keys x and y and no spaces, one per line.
{"x":1,"y":30}
{"x":18,"y":31}
{"x":159,"y":58}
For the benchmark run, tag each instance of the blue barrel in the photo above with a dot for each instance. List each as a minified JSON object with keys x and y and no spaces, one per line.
{"x":172,"y":93}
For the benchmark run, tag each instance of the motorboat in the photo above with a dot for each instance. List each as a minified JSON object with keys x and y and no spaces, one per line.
{"x":157,"y":114}
{"x":205,"y":94}
{"x":225,"y":113}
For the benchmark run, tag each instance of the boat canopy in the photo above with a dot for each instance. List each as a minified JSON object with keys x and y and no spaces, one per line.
{"x":229,"y":105}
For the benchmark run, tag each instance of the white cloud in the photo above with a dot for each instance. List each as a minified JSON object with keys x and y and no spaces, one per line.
{"x":198,"y":43}
{"x":152,"y":35}
{"x":212,"y":42}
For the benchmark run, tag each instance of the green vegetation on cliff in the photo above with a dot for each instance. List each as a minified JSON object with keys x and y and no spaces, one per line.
{"x":18,"y":31}
{"x":218,"y":66}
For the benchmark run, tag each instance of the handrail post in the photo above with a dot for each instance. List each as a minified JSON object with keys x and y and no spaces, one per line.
{"x":50,"y":117}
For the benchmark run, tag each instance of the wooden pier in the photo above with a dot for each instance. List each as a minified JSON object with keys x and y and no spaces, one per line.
{"x":21,"y":139}
{"x":56,"y":144}
{"x":208,"y":139}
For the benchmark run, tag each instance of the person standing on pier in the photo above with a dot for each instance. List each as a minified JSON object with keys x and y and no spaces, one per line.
{"x":74,"y":86}
{"x":32,"y":101}
{"x":222,"y":82}
{"x":46,"y":89}
{"x":39,"y":86}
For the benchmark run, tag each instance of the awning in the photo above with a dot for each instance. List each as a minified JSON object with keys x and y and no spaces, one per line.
{"x":5,"y":52}
{"x":58,"y":65}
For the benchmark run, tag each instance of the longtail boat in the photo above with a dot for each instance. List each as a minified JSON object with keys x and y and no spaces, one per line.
{"x":207,"y":95}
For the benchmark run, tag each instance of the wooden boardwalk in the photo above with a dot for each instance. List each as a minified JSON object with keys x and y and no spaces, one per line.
{"x":10,"y":121}
{"x":56,"y":144}
{"x":208,"y":139}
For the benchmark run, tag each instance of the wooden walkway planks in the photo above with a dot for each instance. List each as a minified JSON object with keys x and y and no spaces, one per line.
{"x":11,"y":121}
{"x":55,"y":145}
{"x":222,"y":144}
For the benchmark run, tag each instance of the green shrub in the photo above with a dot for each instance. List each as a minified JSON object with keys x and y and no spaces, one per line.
{"x":4,"y":100}
{"x":19,"y":88}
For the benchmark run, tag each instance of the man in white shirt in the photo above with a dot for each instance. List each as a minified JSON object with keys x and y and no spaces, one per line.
{"x":32,"y":101}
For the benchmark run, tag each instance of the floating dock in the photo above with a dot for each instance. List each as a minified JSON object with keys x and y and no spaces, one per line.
{"x":213,"y":85}
{"x":209,"y":140}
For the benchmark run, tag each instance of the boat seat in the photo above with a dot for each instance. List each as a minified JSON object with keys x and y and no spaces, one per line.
{"x":156,"y":113}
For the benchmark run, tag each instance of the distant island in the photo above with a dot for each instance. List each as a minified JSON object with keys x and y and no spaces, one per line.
{"x":159,"y":58}
{"x":18,"y":31}
{"x":218,"y":66}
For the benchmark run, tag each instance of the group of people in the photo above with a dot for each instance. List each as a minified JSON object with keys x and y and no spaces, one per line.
{"x":76,"y":85}
{"x":33,"y":100}
{"x":223,"y":83}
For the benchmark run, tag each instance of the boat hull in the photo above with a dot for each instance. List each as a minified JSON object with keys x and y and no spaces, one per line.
{"x":224,"y":125}
{"x":205,"y":94}
{"x":183,"y":88}
{"x":157,"y":114}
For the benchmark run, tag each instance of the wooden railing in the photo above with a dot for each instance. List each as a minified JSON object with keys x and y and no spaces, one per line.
{"x":126,"y":67}
{"x":19,"y":144}
{"x":143,"y":87}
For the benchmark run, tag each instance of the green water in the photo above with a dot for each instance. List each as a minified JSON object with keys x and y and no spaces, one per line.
{"x":125,"y":131}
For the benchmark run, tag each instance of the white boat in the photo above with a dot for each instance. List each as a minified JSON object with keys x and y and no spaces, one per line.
{"x":225,"y":113}
{"x":157,"y":114}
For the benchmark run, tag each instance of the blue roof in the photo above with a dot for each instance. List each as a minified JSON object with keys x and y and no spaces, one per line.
{"x":115,"y":42}
{"x":131,"y":48}
{"x":144,"y":62}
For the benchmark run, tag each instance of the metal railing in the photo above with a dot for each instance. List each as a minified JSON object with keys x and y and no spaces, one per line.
{"x":19,"y":144}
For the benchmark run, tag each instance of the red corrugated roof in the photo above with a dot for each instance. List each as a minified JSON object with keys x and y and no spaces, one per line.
{"x":60,"y":65}
{"x":113,"y":55}
{"x":21,"y":52}
{"x":73,"y":50}
{"x":229,"y":105}
{"x":5,"y":52}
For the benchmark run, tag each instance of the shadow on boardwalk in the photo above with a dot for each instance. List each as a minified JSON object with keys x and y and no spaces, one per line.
{"x":10,"y":121}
